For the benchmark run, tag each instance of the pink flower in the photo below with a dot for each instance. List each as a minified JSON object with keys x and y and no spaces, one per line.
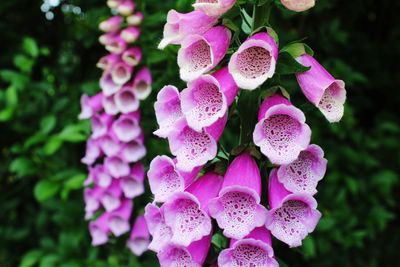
{"x":116,"y":166}
{"x":192,"y":256}
{"x":254,"y":62}
{"x":303,"y":174}
{"x":142,"y":83}
{"x":101,"y":177}
{"x":116,"y":45}
{"x":214,"y":8}
{"x":111,"y":198}
{"x":165,"y":179}
{"x":100,"y":124}
{"x":127,"y":127}
{"x":205,"y":100}
{"x":180,"y":25}
{"x":109,"y":105}
{"x":160,"y":232}
{"x":112,"y":24}
{"x":133,"y":151}
{"x":168,"y":110}
{"x":107,"y":85}
{"x":186,"y":213}
{"x":321,"y":89}
{"x":99,"y":230}
{"x":135,"y":19}
{"x":281,"y":132}
{"x":90,"y":105}
{"x":298,"y":5}
{"x":126,"y":100}
{"x":121,"y":73}
{"x":130,"y":34}
{"x":92,"y":153}
{"x":132,"y":185}
{"x":237,"y":209}
{"x":201,"y":53}
{"x":119,"y":218}
{"x":106,"y":62}
{"x":110,"y":144}
{"x":132,"y":56}
{"x":254,"y":250}
{"x":292,"y":216}
{"x":139,"y":239}
{"x":113,"y":3}
{"x":107,"y":38}
{"x":126,"y":7}
{"x":92,"y":198}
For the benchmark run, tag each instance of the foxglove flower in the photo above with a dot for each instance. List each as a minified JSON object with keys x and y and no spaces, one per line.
{"x":113,"y":3}
{"x":107,"y":38}
{"x":292,"y":216}
{"x":237,"y":209}
{"x":254,"y":250}
{"x":281,"y":131}
{"x":126,"y":100}
{"x":192,"y":148}
{"x":132,"y":185}
{"x":99,"y":230}
{"x":160,"y":232}
{"x":206,"y":99}
{"x":126,"y":7}
{"x":119,"y":218}
{"x":116,"y":45}
{"x":121,"y":73}
{"x":321,"y":89}
{"x":168,"y":110}
{"x":180,"y":25}
{"x":303,"y":174}
{"x":109,"y":105}
{"x":139,"y":239}
{"x":142,"y":83}
{"x":214,"y":8}
{"x":298,"y":5}
{"x":201,"y":53}
{"x":110,"y":144}
{"x":133,"y":151}
{"x":111,"y":198}
{"x":165,"y":179}
{"x":186,"y":213}
{"x":194,"y":255}
{"x":92,"y":153}
{"x":112,"y":24}
{"x":126,"y":127}
{"x":100,"y":124}
{"x":132,"y":56}
{"x":92,"y":198}
{"x":130,"y":34}
{"x":107,"y":85}
{"x":116,"y":166}
{"x":135,"y":19}
{"x":90,"y":106}
{"x":102,"y":177}
{"x":105,"y":63}
{"x":255,"y":61}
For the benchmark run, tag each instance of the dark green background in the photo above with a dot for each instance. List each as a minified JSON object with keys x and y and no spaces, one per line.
{"x":45,"y":65}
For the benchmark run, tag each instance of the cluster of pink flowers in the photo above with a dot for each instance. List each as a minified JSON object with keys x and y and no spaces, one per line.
{"x":116,"y":145}
{"x":187,"y":199}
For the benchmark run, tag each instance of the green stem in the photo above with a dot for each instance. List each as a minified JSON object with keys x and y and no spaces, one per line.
{"x":247,"y":107}
{"x":261,"y":14}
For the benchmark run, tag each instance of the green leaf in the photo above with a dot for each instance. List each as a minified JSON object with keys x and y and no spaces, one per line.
{"x":47,"y":124}
{"x":52,"y":145}
{"x":45,"y":189}
{"x":288,"y":65}
{"x":219,"y":241}
{"x":247,"y":21}
{"x":30,"y":46}
{"x":11,"y":102}
{"x":23,"y":63}
{"x":76,"y":181}
{"x":30,"y":258}
{"x":49,"y":261}
{"x":309,"y":247}
{"x":297,"y":49}
{"x":22,"y":166}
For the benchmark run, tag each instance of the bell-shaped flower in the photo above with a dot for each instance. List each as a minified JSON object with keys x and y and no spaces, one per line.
{"x":303,"y":174}
{"x":214,"y":8}
{"x":99,"y":230}
{"x":281,"y":131}
{"x":111,"y":24}
{"x":132,"y":56}
{"x":127,"y":127}
{"x":192,"y":148}
{"x":133,"y":151}
{"x":186,"y":213}
{"x":126,"y":100}
{"x":135,"y":19}
{"x":92,"y":197}
{"x":106,"y":62}
{"x":255,"y":61}
{"x":92,"y":153}
{"x":121,"y":73}
{"x":102,"y":178}
{"x":90,"y":105}
{"x":237,"y":209}
{"x":130,"y":34}
{"x":322,"y":89}
{"x":165,"y":178}
{"x":201,"y":53}
{"x":207,"y":98}
{"x":298,"y":5}
{"x":292,"y":216}
{"x":110,"y":144}
{"x":109,"y":105}
{"x":100,"y":124}
{"x":255,"y":249}
{"x":116,"y":166}
{"x":192,"y":256}
{"x":139,"y":239}
{"x":116,"y":45}
{"x":107,"y":85}
{"x":180,"y":25}
{"x":119,"y":218}
{"x":113,"y":4}
{"x":126,"y":7}
{"x":168,"y":110}
{"x":111,"y":198}
{"x":142,"y":83}
{"x":160,"y":232}
{"x":132,"y":185}
{"x":107,"y":38}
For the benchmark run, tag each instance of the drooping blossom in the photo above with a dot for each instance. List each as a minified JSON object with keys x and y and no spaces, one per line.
{"x":237,"y":209}
{"x":100,"y":124}
{"x":93,"y":152}
{"x":160,"y":232}
{"x":298,"y":5}
{"x":106,"y":62}
{"x":90,"y":105}
{"x":135,"y":19}
{"x":130,"y":34}
{"x":121,"y":73}
{"x":126,"y":100}
{"x":322,"y":89}
{"x":127,"y":127}
{"x":214,"y":8}
{"x":111,"y":197}
{"x":255,"y":61}
{"x":109,"y":105}
{"x":111,"y":24}
{"x":126,"y":7}
{"x":142,"y":83}
{"x":116,"y":45}
{"x":132,"y":56}
{"x":119,"y":218}
{"x":281,"y":131}
{"x":99,"y":230}
{"x":132,"y":185}
{"x":139,"y":239}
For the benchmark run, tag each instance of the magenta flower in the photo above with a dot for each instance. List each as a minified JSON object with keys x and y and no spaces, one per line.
{"x":237,"y":209}
{"x":109,"y":105}
{"x":101,"y":177}
{"x":126,"y":7}
{"x":127,"y":127}
{"x":298,"y":5}
{"x":139,"y":239}
{"x":107,"y":85}
{"x":110,"y":144}
{"x":116,"y":166}
{"x":92,"y":198}
{"x":160,"y":232}
{"x":113,"y":3}
{"x":201,"y":53}
{"x":111,"y":24}
{"x":186,"y":213}
{"x":111,"y":197}
{"x":132,"y":56}
{"x":133,"y":151}
{"x":142,"y":83}
{"x":254,"y":250}
{"x":90,"y":105}
{"x":292,"y":216}
{"x":255,"y":61}
{"x":214,"y":8}
{"x":126,"y":100}
{"x":92,"y":153}
{"x":168,"y":110}
{"x":205,"y":101}
{"x":116,"y":45}
{"x":192,"y":256}
{"x":135,"y":19}
{"x":180,"y":25}
{"x":132,"y":185}
{"x":281,"y":131}
{"x":321,"y":89}
{"x":99,"y":230}
{"x":100,"y":124}
{"x":107,"y":38}
{"x":165,"y":179}
{"x":121,"y":73}
{"x":130,"y":34}
{"x":106,"y":62}
{"x":303,"y":174}
{"x":119,"y":218}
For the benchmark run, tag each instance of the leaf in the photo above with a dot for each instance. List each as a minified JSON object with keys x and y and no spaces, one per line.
{"x":52,"y":145}
{"x":11,"y":99}
{"x":288,"y":65}
{"x":23,"y":63}
{"x":22,"y":167}
{"x":297,"y":49}
{"x":219,"y":241}
{"x":75,"y":182}
{"x":47,"y":124}
{"x":247,"y":21}
{"x":30,"y":258}
{"x":30,"y":46}
{"x":45,"y":189}
{"x":309,"y":247}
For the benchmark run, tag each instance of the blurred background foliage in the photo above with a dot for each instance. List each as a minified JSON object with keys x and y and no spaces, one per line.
{"x":48,"y":54}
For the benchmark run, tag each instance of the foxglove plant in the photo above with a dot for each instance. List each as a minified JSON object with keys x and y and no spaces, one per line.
{"x":116,"y":145}
{"x":189,"y":192}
